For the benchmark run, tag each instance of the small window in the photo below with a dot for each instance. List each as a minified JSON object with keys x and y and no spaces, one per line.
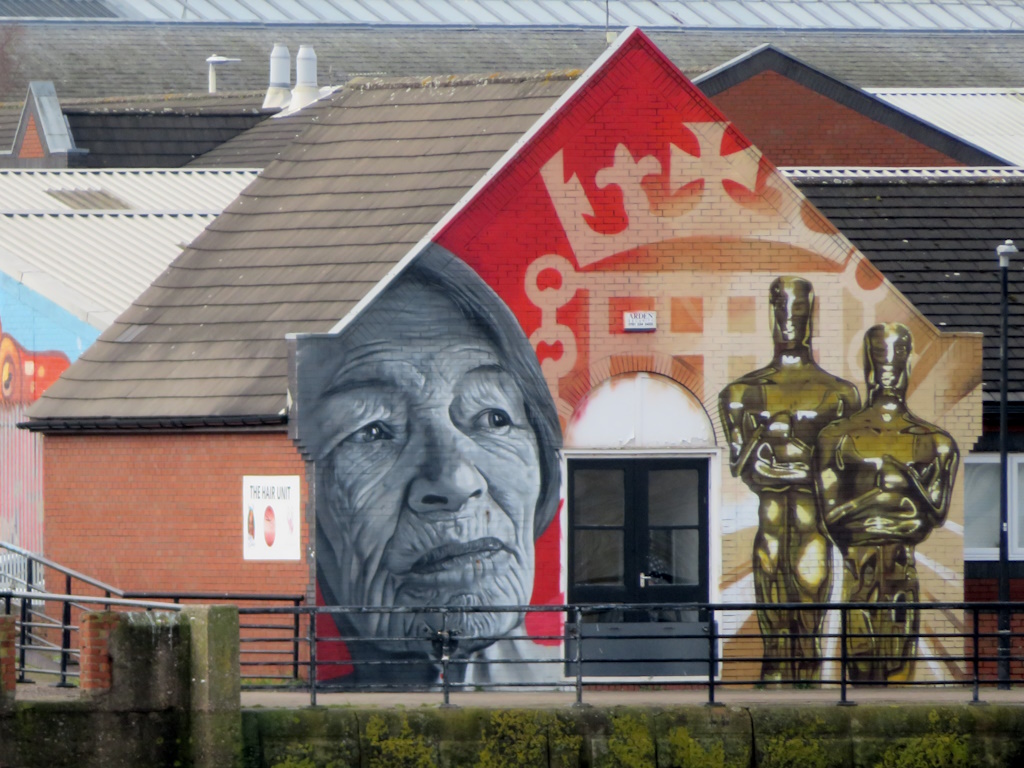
{"x":981,"y":506}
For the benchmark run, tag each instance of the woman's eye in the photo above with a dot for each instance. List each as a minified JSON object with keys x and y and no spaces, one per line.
{"x":495,"y":418}
{"x":371,"y":433}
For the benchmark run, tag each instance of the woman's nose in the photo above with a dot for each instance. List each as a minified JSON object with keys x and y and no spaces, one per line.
{"x":447,"y":478}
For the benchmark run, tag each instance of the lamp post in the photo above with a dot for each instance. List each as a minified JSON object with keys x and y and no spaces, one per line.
{"x":1004,"y":252}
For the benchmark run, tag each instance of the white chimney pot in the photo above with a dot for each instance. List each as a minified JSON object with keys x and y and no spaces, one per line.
{"x":305,"y":90}
{"x":278,"y":93}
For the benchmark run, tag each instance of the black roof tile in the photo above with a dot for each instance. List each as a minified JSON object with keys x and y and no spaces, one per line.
{"x":924,"y":234}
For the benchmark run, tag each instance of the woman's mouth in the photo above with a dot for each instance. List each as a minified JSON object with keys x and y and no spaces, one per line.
{"x":446,"y":556}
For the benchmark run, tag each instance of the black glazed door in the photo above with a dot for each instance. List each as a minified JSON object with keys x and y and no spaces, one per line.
{"x":638,"y":534}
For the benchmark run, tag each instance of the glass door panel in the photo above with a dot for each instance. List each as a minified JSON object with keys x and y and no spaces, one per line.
{"x":599,"y":558}
{"x":638,"y":530}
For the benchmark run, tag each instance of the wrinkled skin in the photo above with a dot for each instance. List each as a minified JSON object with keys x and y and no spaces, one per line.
{"x":432,"y":479}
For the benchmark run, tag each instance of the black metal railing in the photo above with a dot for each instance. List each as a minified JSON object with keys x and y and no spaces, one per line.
{"x":46,"y":642}
{"x":957,"y":644}
{"x":707,"y":646}
{"x":47,"y":619}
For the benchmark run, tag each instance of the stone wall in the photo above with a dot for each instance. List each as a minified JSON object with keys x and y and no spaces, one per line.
{"x":158,"y":689}
{"x":678,"y":737}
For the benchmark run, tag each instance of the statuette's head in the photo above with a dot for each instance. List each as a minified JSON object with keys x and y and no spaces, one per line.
{"x":791,"y":301}
{"x":887,"y":350}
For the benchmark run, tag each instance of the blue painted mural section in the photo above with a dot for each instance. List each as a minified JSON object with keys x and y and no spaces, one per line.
{"x":39,"y":324}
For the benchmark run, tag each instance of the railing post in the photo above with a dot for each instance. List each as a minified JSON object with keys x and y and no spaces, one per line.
{"x":976,"y":632}
{"x":312,"y":656}
{"x":843,"y":657}
{"x":712,"y":654}
{"x":65,"y":635}
{"x":578,"y":632}
{"x":24,"y":636}
{"x":446,"y":655}
{"x":295,"y":640}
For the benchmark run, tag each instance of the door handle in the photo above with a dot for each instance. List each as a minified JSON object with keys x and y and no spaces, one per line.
{"x":644,"y":579}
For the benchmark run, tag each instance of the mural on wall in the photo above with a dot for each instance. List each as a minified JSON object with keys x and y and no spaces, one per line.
{"x":25,"y":375}
{"x":875,"y":481}
{"x":434,"y":418}
{"x":435,"y":440}
{"x":28,"y":322}
{"x":772,"y":417}
{"x":885,"y":479}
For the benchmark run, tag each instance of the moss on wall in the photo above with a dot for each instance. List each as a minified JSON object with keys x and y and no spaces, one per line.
{"x":905,"y":736}
{"x":908,"y":736}
{"x":81,"y":735}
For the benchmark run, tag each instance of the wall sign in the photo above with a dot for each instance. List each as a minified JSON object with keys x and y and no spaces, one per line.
{"x":640,"y":321}
{"x":270,"y":517}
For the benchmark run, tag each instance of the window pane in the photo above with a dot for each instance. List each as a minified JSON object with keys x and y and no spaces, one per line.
{"x":672,"y":497}
{"x":599,"y":496}
{"x":1016,"y":511}
{"x":673,"y":557}
{"x":981,"y":505}
{"x":598,"y":557}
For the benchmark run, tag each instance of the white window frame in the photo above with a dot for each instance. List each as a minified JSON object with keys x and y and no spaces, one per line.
{"x":1014,"y":512}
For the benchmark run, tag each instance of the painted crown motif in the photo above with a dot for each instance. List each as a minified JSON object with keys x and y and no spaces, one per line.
{"x":709,"y":195}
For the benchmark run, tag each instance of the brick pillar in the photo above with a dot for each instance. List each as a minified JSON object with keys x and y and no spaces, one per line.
{"x":8,"y":660}
{"x":94,"y":662}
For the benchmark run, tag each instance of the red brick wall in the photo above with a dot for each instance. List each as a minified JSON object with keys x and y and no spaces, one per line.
{"x":793,"y":125}
{"x":95,"y":647}
{"x":164,"y":512}
{"x":987,"y":590}
{"x":8,"y":658}
{"x":31,"y":146}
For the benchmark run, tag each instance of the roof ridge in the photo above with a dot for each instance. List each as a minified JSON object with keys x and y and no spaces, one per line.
{"x":373,"y":83}
{"x":186,"y":96}
{"x":937,"y":173}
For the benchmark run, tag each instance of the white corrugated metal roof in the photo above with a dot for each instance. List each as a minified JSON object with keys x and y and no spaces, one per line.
{"x":94,"y":265}
{"x":990,"y":118}
{"x":93,"y":241}
{"x":729,"y":14}
{"x":151,"y":191}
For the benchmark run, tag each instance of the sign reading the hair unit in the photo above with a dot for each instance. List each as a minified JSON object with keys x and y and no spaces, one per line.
{"x":640,"y":321}
{"x":270,"y":517}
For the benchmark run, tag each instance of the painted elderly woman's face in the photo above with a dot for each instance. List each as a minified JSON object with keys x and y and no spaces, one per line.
{"x":436,"y":469}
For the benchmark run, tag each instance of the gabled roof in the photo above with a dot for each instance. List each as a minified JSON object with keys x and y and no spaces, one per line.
{"x":146,"y":131}
{"x":91,"y":242}
{"x":128,"y":58}
{"x":319,"y":228}
{"x":767,"y":58}
{"x":990,"y":118}
{"x":933,"y":234}
{"x":351,"y":201}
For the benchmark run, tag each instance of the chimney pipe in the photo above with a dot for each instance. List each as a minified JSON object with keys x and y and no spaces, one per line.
{"x":213,"y":61}
{"x":305,"y":90}
{"x":278,"y":93}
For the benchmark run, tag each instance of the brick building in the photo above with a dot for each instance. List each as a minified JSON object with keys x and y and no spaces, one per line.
{"x":620,"y":230}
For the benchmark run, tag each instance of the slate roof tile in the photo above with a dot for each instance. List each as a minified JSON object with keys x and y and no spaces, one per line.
{"x":128,"y":58}
{"x":935,"y":240}
{"x":305,"y":241}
